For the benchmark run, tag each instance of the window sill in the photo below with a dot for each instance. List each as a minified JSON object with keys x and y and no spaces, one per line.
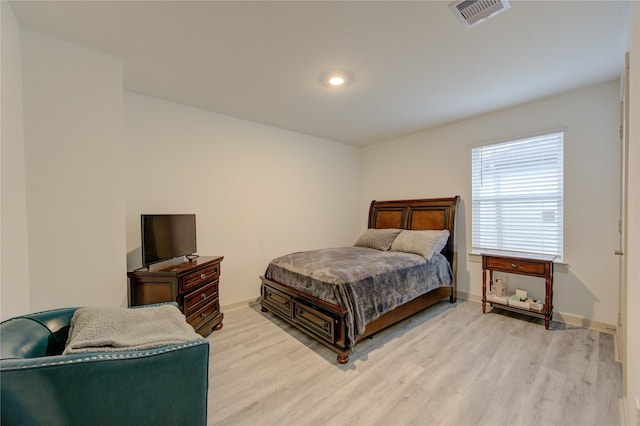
{"x":476,"y":257}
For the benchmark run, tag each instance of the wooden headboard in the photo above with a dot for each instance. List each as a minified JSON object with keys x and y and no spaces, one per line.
{"x":431,"y":213}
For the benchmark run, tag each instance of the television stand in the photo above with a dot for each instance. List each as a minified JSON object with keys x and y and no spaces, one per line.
{"x":192,"y":284}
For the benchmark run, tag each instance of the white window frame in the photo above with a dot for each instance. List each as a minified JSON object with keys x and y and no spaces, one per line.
{"x":518,"y":196}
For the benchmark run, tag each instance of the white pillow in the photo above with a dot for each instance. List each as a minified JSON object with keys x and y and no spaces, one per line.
{"x":379,"y":239}
{"x":424,"y":243}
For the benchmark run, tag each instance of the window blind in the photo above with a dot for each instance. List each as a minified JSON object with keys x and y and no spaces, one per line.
{"x":517,"y":196}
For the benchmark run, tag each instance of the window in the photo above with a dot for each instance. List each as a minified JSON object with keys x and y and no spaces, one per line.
{"x":517,"y":196}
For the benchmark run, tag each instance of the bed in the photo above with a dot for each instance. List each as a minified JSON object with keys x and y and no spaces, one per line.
{"x":342,"y":295}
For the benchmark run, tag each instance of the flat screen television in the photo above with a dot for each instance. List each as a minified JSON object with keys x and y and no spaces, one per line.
{"x":167,"y":236}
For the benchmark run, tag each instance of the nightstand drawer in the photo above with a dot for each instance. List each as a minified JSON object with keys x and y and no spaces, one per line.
{"x":196,"y":279}
{"x":516,"y":266}
{"x":200,"y":297}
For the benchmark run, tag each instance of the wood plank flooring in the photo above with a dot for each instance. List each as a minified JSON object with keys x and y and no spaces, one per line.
{"x":449,"y":365}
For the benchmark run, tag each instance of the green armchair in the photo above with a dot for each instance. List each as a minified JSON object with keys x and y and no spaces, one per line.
{"x":40,"y":386}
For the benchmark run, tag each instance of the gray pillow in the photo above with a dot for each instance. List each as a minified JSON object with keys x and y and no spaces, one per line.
{"x":424,"y":243}
{"x":379,"y":239}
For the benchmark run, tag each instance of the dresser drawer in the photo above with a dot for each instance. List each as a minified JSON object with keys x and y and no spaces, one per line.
{"x":200,"y":297}
{"x":196,"y":279}
{"x":516,"y":266}
{"x":204,"y":314}
{"x":314,"y":320}
{"x":278,"y":300}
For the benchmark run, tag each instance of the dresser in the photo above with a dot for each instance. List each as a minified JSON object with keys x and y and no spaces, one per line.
{"x":193,"y":285}
{"x":539,"y":266}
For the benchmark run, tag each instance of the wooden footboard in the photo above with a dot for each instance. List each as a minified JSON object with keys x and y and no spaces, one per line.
{"x":325,"y":322}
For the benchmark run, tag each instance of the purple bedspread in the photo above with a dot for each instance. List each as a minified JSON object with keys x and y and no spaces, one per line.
{"x":367,"y":282}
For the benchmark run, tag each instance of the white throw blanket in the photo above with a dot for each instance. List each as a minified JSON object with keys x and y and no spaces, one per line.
{"x":100,"y":329}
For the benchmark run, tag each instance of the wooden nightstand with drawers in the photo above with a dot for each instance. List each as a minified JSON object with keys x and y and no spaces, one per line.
{"x":193,"y":285}
{"x":539,"y":266}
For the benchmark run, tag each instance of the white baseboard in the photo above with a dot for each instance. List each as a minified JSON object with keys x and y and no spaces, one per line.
{"x":616,"y":348}
{"x":564,"y":317}
{"x":241,"y":304}
{"x":629,"y":411}
{"x":584,"y":322}
{"x":622,"y":406}
{"x":470,"y":297}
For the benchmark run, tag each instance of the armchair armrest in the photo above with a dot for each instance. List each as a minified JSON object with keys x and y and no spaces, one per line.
{"x":35,"y":335}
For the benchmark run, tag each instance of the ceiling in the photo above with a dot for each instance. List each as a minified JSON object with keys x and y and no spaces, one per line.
{"x":413,"y":64}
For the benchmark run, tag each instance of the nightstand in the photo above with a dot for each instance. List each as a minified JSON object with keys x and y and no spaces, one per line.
{"x":539,"y":266}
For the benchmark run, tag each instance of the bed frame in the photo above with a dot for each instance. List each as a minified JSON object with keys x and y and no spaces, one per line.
{"x":325,"y":322}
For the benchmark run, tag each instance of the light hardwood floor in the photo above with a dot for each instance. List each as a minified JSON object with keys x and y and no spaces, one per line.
{"x":449,"y":365}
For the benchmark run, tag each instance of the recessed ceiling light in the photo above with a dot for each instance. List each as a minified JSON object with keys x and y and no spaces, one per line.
{"x":336,"y":78}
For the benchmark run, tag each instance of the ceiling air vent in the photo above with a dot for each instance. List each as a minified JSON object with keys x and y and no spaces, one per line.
{"x":473,"y":12}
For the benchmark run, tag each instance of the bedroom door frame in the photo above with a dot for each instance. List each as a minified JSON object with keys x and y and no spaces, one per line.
{"x":623,"y":218}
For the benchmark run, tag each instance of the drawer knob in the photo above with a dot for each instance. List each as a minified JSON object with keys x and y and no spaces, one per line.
{"x":203,"y":296}
{"x":203,"y":276}
{"x":514,"y":266}
{"x":203,"y":315}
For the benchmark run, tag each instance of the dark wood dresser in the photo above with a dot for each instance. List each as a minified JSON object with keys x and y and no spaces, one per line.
{"x":193,"y":285}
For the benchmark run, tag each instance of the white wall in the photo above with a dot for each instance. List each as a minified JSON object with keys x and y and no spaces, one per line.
{"x":14,"y":274}
{"x":437,"y":162}
{"x":258,"y":192}
{"x":632,"y":338}
{"x":74,"y":160}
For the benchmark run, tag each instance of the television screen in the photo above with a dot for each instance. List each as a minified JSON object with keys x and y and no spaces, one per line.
{"x":165,"y":236}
